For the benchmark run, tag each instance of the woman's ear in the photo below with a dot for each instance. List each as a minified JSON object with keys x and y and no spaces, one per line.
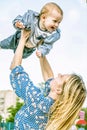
{"x":58,"y":91}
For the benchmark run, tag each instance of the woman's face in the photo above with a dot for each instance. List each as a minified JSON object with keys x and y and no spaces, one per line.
{"x":58,"y":82}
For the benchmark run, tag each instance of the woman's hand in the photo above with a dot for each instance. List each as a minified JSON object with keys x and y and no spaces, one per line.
{"x":19,"y":25}
{"x":25,"y":35}
{"x":17,"y":59}
{"x":38,"y":53}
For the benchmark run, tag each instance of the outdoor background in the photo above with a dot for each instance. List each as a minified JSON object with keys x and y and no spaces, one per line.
{"x":68,"y":55}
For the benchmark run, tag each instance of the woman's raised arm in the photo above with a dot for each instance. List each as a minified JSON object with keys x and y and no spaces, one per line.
{"x":17,"y":59}
{"x":46,"y":69}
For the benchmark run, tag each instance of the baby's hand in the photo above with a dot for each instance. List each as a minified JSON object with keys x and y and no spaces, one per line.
{"x":19,"y":25}
{"x":38,"y":53}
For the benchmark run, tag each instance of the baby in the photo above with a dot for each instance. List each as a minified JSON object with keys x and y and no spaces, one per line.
{"x":43,"y":30}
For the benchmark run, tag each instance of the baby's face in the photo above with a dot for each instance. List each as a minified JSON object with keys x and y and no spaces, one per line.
{"x":51,"y":21}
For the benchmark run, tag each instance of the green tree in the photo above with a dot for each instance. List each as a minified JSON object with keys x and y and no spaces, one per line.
{"x":85,"y":110}
{"x":0,"y":118}
{"x":13,"y":110}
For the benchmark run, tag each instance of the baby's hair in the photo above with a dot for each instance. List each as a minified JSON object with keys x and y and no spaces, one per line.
{"x":66,"y":109}
{"x":49,"y":7}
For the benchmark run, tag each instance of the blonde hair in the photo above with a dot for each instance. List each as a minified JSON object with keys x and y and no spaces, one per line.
{"x":66,"y":109}
{"x":49,"y":7}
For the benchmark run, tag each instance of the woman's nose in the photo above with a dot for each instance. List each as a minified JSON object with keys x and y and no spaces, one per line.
{"x":59,"y":75}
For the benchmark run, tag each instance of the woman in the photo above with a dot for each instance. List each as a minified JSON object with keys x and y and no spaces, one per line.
{"x":58,"y":107}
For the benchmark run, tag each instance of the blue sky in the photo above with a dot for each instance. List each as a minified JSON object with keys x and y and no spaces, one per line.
{"x":68,"y":55}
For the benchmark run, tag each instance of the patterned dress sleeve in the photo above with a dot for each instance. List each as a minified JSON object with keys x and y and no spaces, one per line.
{"x":25,"y":89}
{"x":19,"y":80}
{"x":27,"y":19}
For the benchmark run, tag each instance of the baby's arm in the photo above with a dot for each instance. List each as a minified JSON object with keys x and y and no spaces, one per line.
{"x":18,"y":22}
{"x":48,"y":43}
{"x":23,"y":21}
{"x":44,"y":49}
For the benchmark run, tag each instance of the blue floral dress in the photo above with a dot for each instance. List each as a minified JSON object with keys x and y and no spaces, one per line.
{"x":34,"y":114}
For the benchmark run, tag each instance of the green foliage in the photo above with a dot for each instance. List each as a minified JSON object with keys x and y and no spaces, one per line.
{"x":85,"y":110}
{"x":0,"y":118}
{"x":13,"y":110}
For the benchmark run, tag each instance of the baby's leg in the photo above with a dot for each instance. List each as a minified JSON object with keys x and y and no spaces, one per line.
{"x":7,"y":43}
